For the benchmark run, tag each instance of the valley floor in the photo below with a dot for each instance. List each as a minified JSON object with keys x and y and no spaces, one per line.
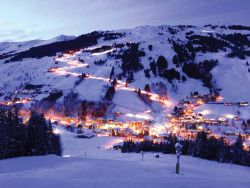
{"x":107,"y":168}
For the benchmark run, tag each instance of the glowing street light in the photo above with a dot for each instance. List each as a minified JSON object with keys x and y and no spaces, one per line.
{"x":56,"y":131}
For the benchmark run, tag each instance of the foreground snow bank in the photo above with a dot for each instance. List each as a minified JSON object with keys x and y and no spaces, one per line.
{"x":111,"y":169}
{"x":52,"y":171}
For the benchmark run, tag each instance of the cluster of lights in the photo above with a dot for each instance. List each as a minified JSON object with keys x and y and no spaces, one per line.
{"x":15,"y":101}
{"x":121,"y":85}
{"x":131,"y":130}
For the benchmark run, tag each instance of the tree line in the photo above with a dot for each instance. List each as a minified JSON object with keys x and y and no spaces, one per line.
{"x":204,"y":147}
{"x":17,"y":139}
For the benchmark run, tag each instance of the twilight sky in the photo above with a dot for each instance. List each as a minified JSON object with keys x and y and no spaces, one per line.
{"x":42,"y":19}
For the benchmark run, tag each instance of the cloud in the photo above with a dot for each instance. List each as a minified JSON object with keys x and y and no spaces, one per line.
{"x":30,"y":19}
{"x":13,"y":33}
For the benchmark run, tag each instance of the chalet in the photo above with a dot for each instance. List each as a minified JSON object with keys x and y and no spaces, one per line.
{"x":52,"y":69}
{"x":117,"y":146}
{"x":241,"y":104}
{"x":85,"y":135}
{"x":229,"y":132}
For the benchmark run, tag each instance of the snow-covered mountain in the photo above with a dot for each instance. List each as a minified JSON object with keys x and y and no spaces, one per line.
{"x":8,"y":48}
{"x":139,"y":84}
{"x":173,"y":61}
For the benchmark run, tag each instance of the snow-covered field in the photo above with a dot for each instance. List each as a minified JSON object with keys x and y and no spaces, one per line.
{"x":107,"y":168}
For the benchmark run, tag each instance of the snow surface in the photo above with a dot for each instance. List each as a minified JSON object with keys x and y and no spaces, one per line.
{"x":108,"y":168}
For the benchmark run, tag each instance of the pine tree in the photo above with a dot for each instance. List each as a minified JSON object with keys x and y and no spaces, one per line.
{"x":20,"y":136}
{"x":57,"y":149}
{"x":37,"y":142}
{"x":150,"y":47}
{"x":139,"y":92}
{"x":12,"y":134}
{"x":126,"y":84}
{"x":162,"y":65}
{"x":3,"y":135}
{"x":114,"y":83}
{"x":54,"y":141}
{"x":147,"y":74}
{"x":201,"y":145}
{"x":111,"y":73}
{"x":153,"y":68}
{"x":50,"y":135}
{"x":183,"y":78}
{"x":238,"y":151}
{"x":222,"y":150}
{"x":37,"y":138}
{"x":147,"y":88}
{"x":83,"y":110}
{"x":110,"y":93}
{"x":175,"y":60}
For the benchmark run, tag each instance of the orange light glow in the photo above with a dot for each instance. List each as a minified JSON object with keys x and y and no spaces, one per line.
{"x":218,"y":98}
{"x":121,"y":85}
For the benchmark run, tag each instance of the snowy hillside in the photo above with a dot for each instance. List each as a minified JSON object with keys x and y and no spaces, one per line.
{"x":111,"y":95}
{"x":108,"y":168}
{"x":138,"y":74}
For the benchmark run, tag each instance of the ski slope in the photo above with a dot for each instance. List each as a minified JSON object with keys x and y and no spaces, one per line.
{"x":110,"y":169}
